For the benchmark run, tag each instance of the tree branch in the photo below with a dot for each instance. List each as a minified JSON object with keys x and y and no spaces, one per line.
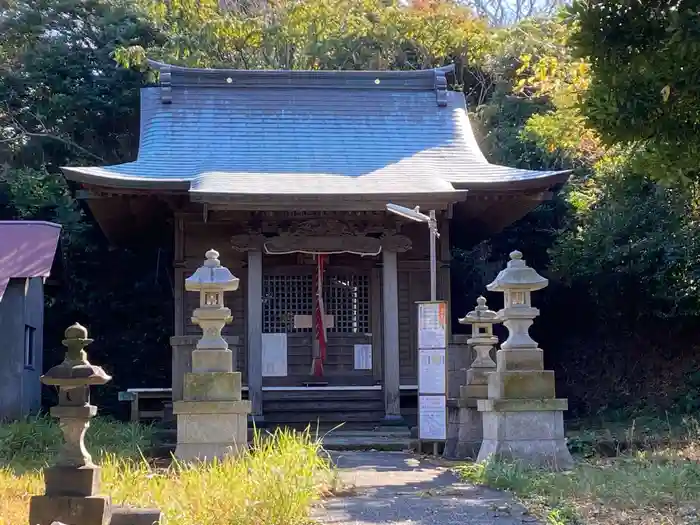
{"x":24,"y":132}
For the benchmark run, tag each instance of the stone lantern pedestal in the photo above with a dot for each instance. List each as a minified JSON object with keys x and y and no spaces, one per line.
{"x":522,"y":418}
{"x":482,"y":340}
{"x":212,"y":418}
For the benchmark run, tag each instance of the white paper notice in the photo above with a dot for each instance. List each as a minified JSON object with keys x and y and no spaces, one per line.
{"x":274,"y":355}
{"x":432,"y":323}
{"x":431,"y":371}
{"x":363,"y":357}
{"x":432,"y":418}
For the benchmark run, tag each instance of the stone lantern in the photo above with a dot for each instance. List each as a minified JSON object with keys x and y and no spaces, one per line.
{"x":482,"y":340}
{"x":522,"y":419}
{"x":211,"y":280}
{"x":73,"y":481}
{"x":212,"y":418}
{"x":73,"y":377}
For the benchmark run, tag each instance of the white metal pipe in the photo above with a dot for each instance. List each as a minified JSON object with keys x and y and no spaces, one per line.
{"x":433,"y":256}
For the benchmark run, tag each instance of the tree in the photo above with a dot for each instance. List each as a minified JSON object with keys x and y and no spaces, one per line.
{"x":63,"y":101}
{"x":500,"y":13}
{"x":61,"y":96}
{"x":315,"y":34}
{"x":644,"y":90}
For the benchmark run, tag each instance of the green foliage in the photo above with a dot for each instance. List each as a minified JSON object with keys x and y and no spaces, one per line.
{"x":34,"y":442}
{"x":634,"y":249}
{"x":63,"y":102}
{"x":63,"y":99}
{"x":644,"y":88}
{"x":319,"y":34}
{"x":551,"y":93}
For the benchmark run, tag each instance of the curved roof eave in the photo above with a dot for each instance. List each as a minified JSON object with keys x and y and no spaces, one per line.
{"x":111,"y":179}
{"x":519,"y":180}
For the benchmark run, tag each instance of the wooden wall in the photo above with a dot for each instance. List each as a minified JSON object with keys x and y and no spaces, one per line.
{"x":196,"y":237}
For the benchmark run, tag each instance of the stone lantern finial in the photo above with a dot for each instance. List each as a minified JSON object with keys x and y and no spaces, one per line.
{"x":75,"y":370}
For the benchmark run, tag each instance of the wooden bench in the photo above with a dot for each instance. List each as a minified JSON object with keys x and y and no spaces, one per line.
{"x":136,"y":395}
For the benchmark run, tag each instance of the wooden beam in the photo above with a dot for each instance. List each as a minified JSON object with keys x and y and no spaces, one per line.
{"x":254,"y":339}
{"x":390,"y":310}
{"x":86,"y":194}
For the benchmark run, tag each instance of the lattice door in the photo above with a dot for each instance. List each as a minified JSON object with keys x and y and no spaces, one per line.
{"x":347,"y":298}
{"x":285,"y":296}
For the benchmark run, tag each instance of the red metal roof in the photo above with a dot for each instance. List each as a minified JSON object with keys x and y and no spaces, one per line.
{"x":27,"y":249}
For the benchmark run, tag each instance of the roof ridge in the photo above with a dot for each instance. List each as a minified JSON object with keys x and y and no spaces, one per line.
{"x":401,"y":80}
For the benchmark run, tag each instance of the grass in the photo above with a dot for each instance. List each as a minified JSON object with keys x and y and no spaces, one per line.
{"x":659,"y":485}
{"x":274,"y":483}
{"x":30,"y":444}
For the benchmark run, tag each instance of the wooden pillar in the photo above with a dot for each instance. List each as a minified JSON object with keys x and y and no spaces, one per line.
{"x":377,"y":320}
{"x":179,"y":275}
{"x":254,"y":339}
{"x":390,"y":310}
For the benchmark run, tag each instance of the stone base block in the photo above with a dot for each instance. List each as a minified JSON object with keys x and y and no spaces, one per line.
{"x":520,"y":359}
{"x":94,"y":510}
{"x":203,"y":433}
{"x":193,"y":452}
{"x":452,"y":431}
{"x":212,"y":428}
{"x":211,"y":407}
{"x":479,"y":376}
{"x":533,"y":437}
{"x":470,"y":433}
{"x":206,"y":361}
{"x":471,"y":391}
{"x":72,"y":481}
{"x":212,"y":386}
{"x":532,"y":384}
{"x":132,"y":516}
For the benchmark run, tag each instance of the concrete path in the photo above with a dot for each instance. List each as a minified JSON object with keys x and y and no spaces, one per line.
{"x":403,"y":489}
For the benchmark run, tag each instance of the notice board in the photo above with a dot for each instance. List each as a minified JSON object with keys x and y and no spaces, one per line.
{"x":432,"y":370}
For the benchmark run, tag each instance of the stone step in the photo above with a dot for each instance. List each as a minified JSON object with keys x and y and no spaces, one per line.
{"x":323,"y":406}
{"x":327,"y":395}
{"x":333,"y":418}
{"x":393,"y":440}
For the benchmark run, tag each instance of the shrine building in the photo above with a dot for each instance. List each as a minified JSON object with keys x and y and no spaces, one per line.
{"x":287,"y":175}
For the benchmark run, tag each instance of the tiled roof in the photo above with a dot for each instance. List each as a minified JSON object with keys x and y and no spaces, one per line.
{"x":218,"y":132}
